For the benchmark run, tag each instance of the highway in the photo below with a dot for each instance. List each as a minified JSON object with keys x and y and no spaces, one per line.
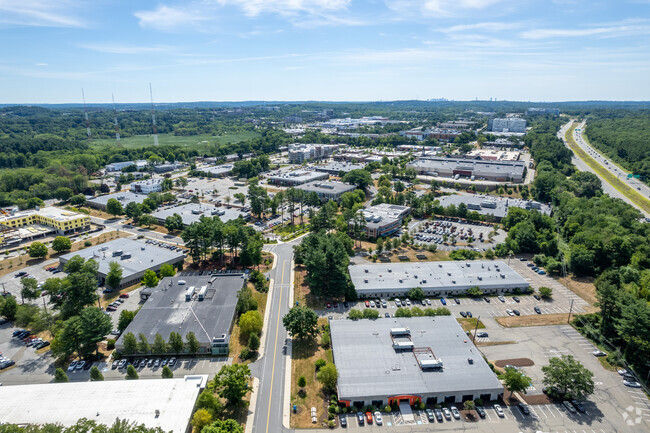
{"x":609,"y":166}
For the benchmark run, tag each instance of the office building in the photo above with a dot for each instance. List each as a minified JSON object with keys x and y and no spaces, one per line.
{"x":336,"y":168}
{"x":384,"y":219}
{"x":327,"y":190}
{"x":491,"y":205}
{"x":295,"y":177}
{"x":192,"y":212}
{"x":146,"y":186}
{"x":40,"y":222}
{"x":509,"y":124}
{"x":119,"y":166}
{"x":299,"y":153}
{"x":124,"y":197}
{"x":500,"y":171}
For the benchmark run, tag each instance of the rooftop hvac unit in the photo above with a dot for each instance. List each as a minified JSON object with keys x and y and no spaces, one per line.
{"x":125,"y":256}
{"x":449,"y":274}
{"x":480,"y":278}
{"x":503,"y":275}
{"x":440,"y":265}
{"x":400,"y":281}
{"x":400,"y":331}
{"x":365,"y":270}
{"x":467,"y":264}
{"x":453,"y":281}
{"x":365,"y":281}
{"x":430,"y":363}
{"x":424,"y":281}
{"x":403,"y":345}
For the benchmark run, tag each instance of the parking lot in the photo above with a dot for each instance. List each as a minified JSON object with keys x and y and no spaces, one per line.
{"x":13,"y":285}
{"x":441,"y":231}
{"x":225,"y":187}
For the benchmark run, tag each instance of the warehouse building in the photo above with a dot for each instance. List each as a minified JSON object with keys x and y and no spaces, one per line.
{"x":124,"y":197}
{"x":491,"y":205}
{"x":202,"y":304}
{"x":336,"y":168}
{"x":501,"y":171}
{"x":134,"y":257}
{"x":509,"y":124}
{"x":409,"y":360}
{"x":327,"y":190}
{"x":296,"y":177}
{"x":384,"y":219}
{"x":192,"y":212}
{"x":222,"y":170}
{"x":389,"y":280}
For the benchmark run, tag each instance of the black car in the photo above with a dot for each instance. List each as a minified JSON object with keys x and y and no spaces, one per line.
{"x":480,"y":411}
{"x":438,"y":413}
{"x":486,"y":299}
{"x":462,"y":313}
{"x":387,"y":315}
{"x":3,"y":320}
{"x":343,"y":421}
{"x":536,"y":296}
{"x":537,"y":310}
{"x":345,"y":305}
{"x":482,"y":335}
{"x":87,"y":365}
{"x":524,"y":409}
{"x":360,"y":418}
{"x":517,"y":313}
{"x":469,"y":314}
{"x":578,"y":406}
{"x":516,"y":299}
{"x":456,"y":300}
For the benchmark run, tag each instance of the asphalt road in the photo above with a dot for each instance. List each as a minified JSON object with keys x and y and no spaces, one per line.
{"x":270,"y":368}
{"x":610,"y":166}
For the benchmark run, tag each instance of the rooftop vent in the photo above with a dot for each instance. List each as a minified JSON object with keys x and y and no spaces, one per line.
{"x":365,"y":270}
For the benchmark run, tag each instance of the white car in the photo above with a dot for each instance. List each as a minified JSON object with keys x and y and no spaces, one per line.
{"x":598,"y":353}
{"x":378,"y":419}
{"x":455,"y":412}
{"x":510,"y":312}
{"x":632,"y":383}
{"x":447,"y":414}
{"x":622,"y":372}
{"x":498,"y":410}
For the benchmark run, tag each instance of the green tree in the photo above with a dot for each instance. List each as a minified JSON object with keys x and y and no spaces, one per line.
{"x":114,"y":276}
{"x":254,"y":342}
{"x":475,"y":291}
{"x":167,"y":372}
{"x":516,"y":381}
{"x":546,"y":292}
{"x":61,"y":243}
{"x":150,"y":279}
{"x":159,"y":345}
{"x":416,"y":293}
{"x":63,"y":193}
{"x":114,"y":207}
{"x":147,"y":221}
{"x":223,"y":426}
{"x":355,"y":314}
{"x":131,"y":373}
{"x":29,"y":289}
{"x":134,"y":211}
{"x":250,"y":322}
{"x":328,"y":375}
{"x":201,"y":420}
{"x":130,"y":344}
{"x":38,"y":250}
{"x":78,"y":200}
{"x":192,"y":343}
{"x":125,"y":318}
{"x":167,"y":270}
{"x":175,"y":342}
{"x":361,"y":178}
{"x":245,"y":300}
{"x":369,"y":313}
{"x":174,"y":223}
{"x":301,"y":322}
{"x":209,"y":402}
{"x":232,"y":382}
{"x":60,"y":376}
{"x":94,"y":326}
{"x":143,"y":344}
{"x":403,"y":312}
{"x":95,"y":374}
{"x":569,"y":376}
{"x":9,"y":308}
{"x":302,"y":382}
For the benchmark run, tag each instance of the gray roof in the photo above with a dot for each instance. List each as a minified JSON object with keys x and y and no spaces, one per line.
{"x":167,"y":310}
{"x":192,"y":212}
{"x":477,"y":166}
{"x":124,"y":197}
{"x":440,"y":275}
{"x":368,"y":365}
{"x":297,"y":176}
{"x":143,"y":256}
{"x":382,"y":214}
{"x":497,"y":206}
{"x":328,"y":187}
{"x":336,"y":167}
{"x":217,"y":169}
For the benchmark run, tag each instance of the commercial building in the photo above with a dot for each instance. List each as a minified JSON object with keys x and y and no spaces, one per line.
{"x":409,"y":360}
{"x":119,"y":166}
{"x":336,"y":168}
{"x":222,"y":170}
{"x":146,"y":186}
{"x":384,"y":219}
{"x":134,"y":257}
{"x":296,"y":177}
{"x":494,"y":155}
{"x":509,"y":124}
{"x":39,"y":222}
{"x":164,"y":403}
{"x":327,"y":190}
{"x":167,"y":167}
{"x":202,"y":304}
{"x":495,"y":206}
{"x":124,"y":197}
{"x":501,"y":171}
{"x":299,"y":153}
{"x":456,"y":124}
{"x":389,"y":280}
{"x":192,"y":212}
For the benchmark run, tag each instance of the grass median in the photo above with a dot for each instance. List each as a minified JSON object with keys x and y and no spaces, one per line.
{"x":615,"y":182}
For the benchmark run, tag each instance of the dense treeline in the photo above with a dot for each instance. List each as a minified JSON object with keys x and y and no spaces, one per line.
{"x":593,"y":235}
{"x":623,"y":137}
{"x":83,"y":425}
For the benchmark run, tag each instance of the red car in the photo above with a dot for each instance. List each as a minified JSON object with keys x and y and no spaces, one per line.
{"x":367,"y":303}
{"x":369,"y":417}
{"x":329,"y":305}
{"x":124,"y":295}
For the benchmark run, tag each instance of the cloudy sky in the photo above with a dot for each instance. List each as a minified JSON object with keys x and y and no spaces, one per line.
{"x":234,"y":50}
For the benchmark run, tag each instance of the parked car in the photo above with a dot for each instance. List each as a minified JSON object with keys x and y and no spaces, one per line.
{"x":447,"y":413}
{"x":387,"y":315}
{"x":502,"y":299}
{"x":443,"y":301}
{"x":360,"y":418}
{"x":343,"y":421}
{"x":455,"y":413}
{"x":115,"y":364}
{"x":632,"y":384}
{"x":457,"y":301}
{"x":124,"y":295}
{"x":499,"y":411}
{"x":462,"y":313}
{"x":578,"y":406}
{"x":72,"y":365}
{"x":122,"y":364}
{"x":486,"y":299}
{"x":438,"y":413}
{"x":480,"y":411}
{"x":516,"y":299}
{"x":524,"y":409}
{"x":469,"y":314}
{"x":430,"y":415}
{"x":536,"y":296}
{"x":378,"y":418}
{"x":88,"y":365}
{"x":482,"y":334}
{"x":517,"y":313}
{"x":598,"y":352}
{"x":569,"y":406}
{"x":369,"y":417}
{"x":510,"y":312}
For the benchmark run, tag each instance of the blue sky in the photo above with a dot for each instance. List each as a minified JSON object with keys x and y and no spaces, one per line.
{"x":233,"y":50}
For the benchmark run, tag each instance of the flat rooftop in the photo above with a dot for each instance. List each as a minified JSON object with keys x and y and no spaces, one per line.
{"x":297,"y":176}
{"x":124,"y":197}
{"x":143,"y":256}
{"x":497,"y":206}
{"x":167,"y":309}
{"x":217,"y":170}
{"x":477,"y":166}
{"x":335,"y":167}
{"x":369,"y":366}
{"x":328,"y":187}
{"x":192,"y":212}
{"x":384,"y":213}
{"x":439,"y":275}
{"x":54,"y":213}
{"x":134,"y":400}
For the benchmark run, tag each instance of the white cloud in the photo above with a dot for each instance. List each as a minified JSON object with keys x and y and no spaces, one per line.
{"x":41,"y":64}
{"x":125,"y":49}
{"x":437,"y":7}
{"x":39,"y":13}
{"x":485,"y":26}
{"x":603,"y":31}
{"x":284,"y":7}
{"x":169,"y":18}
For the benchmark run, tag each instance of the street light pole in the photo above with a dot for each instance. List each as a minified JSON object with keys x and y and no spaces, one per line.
{"x":568,"y":320}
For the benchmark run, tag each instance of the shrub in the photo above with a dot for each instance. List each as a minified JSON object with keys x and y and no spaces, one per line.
{"x":331,"y":423}
{"x":320,"y":363}
{"x":60,"y":376}
{"x":331,"y":416}
{"x":87,"y":244}
{"x":387,"y":409}
{"x":131,"y":372}
{"x":167,"y":372}
{"x":331,"y":408}
{"x":478,"y":402}
{"x":110,"y":344}
{"x":302,"y":382}
{"x":254,"y":342}
{"x":245,"y":354}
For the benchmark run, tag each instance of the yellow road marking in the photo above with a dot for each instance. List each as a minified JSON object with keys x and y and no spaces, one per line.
{"x":275,"y":347}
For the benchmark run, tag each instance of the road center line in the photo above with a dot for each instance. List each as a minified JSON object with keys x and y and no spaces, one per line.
{"x":275,"y":347}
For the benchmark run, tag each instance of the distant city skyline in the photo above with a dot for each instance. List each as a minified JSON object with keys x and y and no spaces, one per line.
{"x":325,"y":50}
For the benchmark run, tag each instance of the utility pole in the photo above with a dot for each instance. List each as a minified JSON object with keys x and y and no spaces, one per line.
{"x":478,"y":319}
{"x":568,"y":320}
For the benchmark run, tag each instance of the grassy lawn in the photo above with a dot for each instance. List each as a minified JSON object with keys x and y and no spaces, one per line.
{"x":302,"y":292}
{"x":469,"y":324}
{"x":410,"y":253}
{"x":581,"y":286}
{"x":303,"y":356}
{"x":199,"y":142}
{"x":289,"y":229}
{"x":237,"y":342}
{"x":620,"y":186}
{"x":537,"y":320}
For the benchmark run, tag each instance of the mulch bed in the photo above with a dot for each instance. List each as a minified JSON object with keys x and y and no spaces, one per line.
{"x":537,"y":399}
{"x":469,"y":415}
{"x":517,"y":362}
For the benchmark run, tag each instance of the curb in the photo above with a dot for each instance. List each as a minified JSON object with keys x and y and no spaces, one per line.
{"x":251,"y":409}
{"x":267,"y":310}
{"x":286,"y":411}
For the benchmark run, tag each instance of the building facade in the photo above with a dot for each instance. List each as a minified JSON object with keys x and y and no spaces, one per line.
{"x":328,"y":190}
{"x":509,"y":124}
{"x":384,"y":219}
{"x":146,"y":186}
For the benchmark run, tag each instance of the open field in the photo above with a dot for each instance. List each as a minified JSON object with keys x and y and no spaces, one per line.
{"x":620,"y":186}
{"x":198,"y":142}
{"x":539,"y":320}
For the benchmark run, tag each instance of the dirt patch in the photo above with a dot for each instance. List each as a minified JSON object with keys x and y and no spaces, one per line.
{"x":538,"y":320}
{"x":469,"y":324}
{"x":302,"y":292}
{"x":537,"y":399}
{"x":517,"y":362}
{"x":493,"y":343}
{"x":469,"y":415}
{"x":583,"y":287}
{"x":411,"y":254}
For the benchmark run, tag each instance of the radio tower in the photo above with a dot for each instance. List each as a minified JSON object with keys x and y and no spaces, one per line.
{"x":117,"y":127}
{"x":153,"y":119}
{"x":86,"y":114}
